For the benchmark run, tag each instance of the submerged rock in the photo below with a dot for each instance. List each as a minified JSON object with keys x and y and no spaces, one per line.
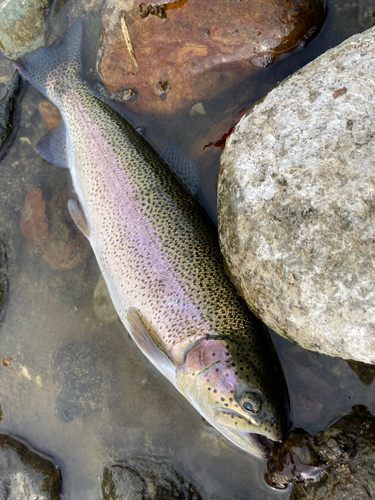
{"x":103,"y":306}
{"x":146,"y":479}
{"x":365,"y":373}
{"x":336,"y":463}
{"x":49,"y":228}
{"x":366,"y":12}
{"x":22,"y":26}
{"x":33,"y":220}
{"x":50,"y":114}
{"x":25,"y":475}
{"x":66,"y":246}
{"x":9,"y":90}
{"x":83,"y":378}
{"x":193,"y":50}
{"x":296,"y":204}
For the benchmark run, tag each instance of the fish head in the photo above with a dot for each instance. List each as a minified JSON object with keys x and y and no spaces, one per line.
{"x":230,"y":386}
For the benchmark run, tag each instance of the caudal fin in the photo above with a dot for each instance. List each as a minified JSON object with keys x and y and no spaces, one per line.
{"x":49,"y":69}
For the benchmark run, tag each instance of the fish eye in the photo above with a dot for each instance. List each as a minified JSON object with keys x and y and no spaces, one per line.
{"x":251,"y":402}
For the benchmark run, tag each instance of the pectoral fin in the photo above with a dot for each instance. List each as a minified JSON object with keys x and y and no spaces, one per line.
{"x":149,"y":343}
{"x":53,"y":146}
{"x":79,"y":217}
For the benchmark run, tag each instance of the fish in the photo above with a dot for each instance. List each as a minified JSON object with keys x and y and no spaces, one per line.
{"x":187,"y":172}
{"x":160,"y":257}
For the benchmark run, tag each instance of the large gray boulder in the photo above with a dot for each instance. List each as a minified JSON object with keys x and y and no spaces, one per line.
{"x":296,"y":204}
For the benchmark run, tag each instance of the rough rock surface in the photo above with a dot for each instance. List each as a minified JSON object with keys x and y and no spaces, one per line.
{"x":145,"y":478}
{"x":9,"y":90}
{"x":337,"y":463}
{"x":296,"y":204}
{"x":22,"y":27}
{"x":198,"y":50}
{"x":25,"y":475}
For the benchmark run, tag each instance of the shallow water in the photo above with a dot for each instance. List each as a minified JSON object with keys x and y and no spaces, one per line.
{"x":78,"y":388}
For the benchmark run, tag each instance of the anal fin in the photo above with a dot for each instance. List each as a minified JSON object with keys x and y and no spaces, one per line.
{"x":149,"y":343}
{"x":53,"y":146}
{"x":79,"y":217}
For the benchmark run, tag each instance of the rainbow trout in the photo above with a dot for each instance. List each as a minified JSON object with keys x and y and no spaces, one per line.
{"x":160,"y":258}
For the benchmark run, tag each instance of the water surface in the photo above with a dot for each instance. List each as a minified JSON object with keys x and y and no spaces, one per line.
{"x":77,"y":387}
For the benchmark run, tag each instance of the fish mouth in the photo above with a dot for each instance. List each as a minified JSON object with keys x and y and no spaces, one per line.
{"x":251,"y":442}
{"x":258,"y":444}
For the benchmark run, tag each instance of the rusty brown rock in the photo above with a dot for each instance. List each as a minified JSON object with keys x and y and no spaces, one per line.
{"x":200,"y":49}
{"x":34,"y":224}
{"x":66,"y":245}
{"x":50,"y":114}
{"x":48,"y":228}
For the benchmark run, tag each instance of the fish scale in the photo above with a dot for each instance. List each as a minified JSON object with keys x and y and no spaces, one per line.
{"x":160,"y":257}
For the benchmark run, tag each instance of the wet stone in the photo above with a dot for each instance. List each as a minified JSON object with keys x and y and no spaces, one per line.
{"x":33,"y":220}
{"x":50,"y":114}
{"x":146,"y":479}
{"x":336,"y":463}
{"x":24,"y":474}
{"x":199,"y":50}
{"x":83,"y":377}
{"x":66,"y":246}
{"x":49,"y":228}
{"x":22,"y":26}
{"x":296,"y":207}
{"x":9,"y":90}
{"x":4,"y":284}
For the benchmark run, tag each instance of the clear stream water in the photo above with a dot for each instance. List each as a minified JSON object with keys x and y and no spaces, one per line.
{"x":77,"y":388}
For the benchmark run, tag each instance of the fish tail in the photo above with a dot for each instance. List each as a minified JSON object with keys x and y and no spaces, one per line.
{"x":50,"y":69}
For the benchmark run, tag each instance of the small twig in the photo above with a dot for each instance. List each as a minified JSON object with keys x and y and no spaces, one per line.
{"x":128,"y":40}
